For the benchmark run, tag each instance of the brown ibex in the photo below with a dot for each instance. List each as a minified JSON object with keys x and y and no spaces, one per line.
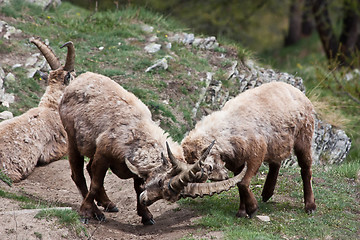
{"x":38,"y":136}
{"x":260,"y":125}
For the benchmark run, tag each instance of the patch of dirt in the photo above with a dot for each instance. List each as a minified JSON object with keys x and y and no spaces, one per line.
{"x":53,"y":183}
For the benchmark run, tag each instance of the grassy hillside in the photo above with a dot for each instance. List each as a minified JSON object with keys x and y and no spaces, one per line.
{"x":111,"y":43}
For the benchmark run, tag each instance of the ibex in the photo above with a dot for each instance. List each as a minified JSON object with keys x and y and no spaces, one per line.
{"x":38,"y":136}
{"x":260,"y":125}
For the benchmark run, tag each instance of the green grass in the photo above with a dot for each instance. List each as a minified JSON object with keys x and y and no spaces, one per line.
{"x":337,"y":214}
{"x":27,"y":202}
{"x":5,"y":178}
{"x":65,"y":218}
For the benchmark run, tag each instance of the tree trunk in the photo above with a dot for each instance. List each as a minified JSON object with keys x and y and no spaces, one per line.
{"x":295,"y":17}
{"x":324,"y":28}
{"x":350,"y":32}
{"x":307,"y":25}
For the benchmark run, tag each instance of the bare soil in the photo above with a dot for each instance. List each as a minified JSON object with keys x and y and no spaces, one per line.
{"x":52,"y":183}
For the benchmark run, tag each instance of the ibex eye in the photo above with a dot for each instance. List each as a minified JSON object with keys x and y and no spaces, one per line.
{"x":67,"y":78}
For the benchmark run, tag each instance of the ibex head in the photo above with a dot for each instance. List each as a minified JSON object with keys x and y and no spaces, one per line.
{"x":59,"y":74}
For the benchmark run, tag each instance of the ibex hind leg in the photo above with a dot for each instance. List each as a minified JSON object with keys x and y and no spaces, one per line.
{"x":77,"y":168}
{"x":270,"y":182}
{"x":102,"y":198}
{"x":88,"y":208}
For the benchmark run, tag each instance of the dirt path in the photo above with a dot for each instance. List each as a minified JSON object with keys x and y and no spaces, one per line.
{"x":53,"y":183}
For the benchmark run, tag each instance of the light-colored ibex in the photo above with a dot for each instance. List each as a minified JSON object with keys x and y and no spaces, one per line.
{"x":38,"y":137}
{"x":260,"y":125}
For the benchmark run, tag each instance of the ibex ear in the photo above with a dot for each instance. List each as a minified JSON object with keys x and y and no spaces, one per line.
{"x":67,"y":78}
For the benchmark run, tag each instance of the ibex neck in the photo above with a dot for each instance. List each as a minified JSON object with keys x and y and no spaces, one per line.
{"x":51,"y":98}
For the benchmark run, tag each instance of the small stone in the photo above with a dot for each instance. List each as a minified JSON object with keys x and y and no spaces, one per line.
{"x":152,"y":47}
{"x":11,"y":31}
{"x":168,"y":45}
{"x":2,"y":73}
{"x":147,"y":28}
{"x":263,"y":218}
{"x":31,"y":72}
{"x":6,"y":115}
{"x":153,"y":38}
{"x":8,"y":98}
{"x":17,"y":65}
{"x":162,"y":63}
{"x":10,"y":77}
{"x":30,"y":61}
{"x":101,"y":48}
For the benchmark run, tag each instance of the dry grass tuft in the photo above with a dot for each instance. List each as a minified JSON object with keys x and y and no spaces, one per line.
{"x":328,"y":109}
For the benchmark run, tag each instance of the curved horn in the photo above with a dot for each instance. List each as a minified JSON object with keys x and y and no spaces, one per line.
{"x":70,"y":58}
{"x":47,"y":52}
{"x":180,"y":181}
{"x":177,"y":165}
{"x":201,"y":189}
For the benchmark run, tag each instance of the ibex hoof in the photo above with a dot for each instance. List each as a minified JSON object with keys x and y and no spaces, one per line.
{"x":148,"y":222}
{"x":241,"y":214}
{"x":113,"y":209}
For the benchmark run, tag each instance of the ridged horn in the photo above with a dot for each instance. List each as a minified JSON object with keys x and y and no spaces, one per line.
{"x":180,"y":181}
{"x":70,"y":58}
{"x":208,"y":189}
{"x":47,"y":52}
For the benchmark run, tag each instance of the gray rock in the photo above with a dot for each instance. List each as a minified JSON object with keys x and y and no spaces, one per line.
{"x":153,"y":38}
{"x":6,"y":115}
{"x":31,"y":61}
{"x":7,"y":99}
{"x":2,"y":73}
{"x":10,"y":77}
{"x":263,"y":218}
{"x":188,"y":38}
{"x":10,"y":30}
{"x":162,"y":63}
{"x":168,"y":45}
{"x":1,"y":83}
{"x":147,"y":28}
{"x":208,"y":43}
{"x":31,"y":72}
{"x":17,"y":65}
{"x":152,"y":47}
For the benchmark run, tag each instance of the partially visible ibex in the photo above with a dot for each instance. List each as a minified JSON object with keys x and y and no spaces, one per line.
{"x":260,"y":125}
{"x":38,"y":136}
